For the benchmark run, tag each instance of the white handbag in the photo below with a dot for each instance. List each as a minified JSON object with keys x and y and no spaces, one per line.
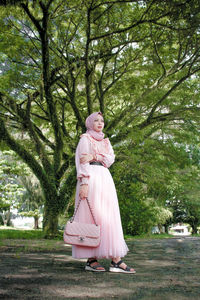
{"x":82,"y":234}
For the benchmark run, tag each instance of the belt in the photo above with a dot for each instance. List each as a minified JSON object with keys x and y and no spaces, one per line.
{"x":96,"y":163}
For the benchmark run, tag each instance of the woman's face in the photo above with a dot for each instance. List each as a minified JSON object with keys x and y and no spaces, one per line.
{"x":98,"y":123}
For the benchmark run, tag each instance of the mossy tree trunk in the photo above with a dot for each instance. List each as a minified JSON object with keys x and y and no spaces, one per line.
{"x":51,"y":168}
{"x":50,"y":221}
{"x":36,"y":222}
{"x":194,"y":224}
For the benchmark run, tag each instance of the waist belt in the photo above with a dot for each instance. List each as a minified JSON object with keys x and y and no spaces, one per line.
{"x":97,"y":163}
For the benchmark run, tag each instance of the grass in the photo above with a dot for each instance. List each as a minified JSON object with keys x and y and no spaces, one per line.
{"x":28,"y":241}
{"x":31,"y":234}
{"x":25,"y":234}
{"x":13,"y":233}
{"x":149,"y":236}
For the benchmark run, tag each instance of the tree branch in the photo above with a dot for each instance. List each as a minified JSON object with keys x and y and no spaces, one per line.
{"x":163,"y":98}
{"x":23,"y":153}
{"x":125,"y":29}
{"x":87,"y":68}
{"x":33,"y":19}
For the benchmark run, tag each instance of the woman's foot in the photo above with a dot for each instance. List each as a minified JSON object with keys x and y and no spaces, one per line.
{"x":121,"y":267}
{"x":93,"y":265}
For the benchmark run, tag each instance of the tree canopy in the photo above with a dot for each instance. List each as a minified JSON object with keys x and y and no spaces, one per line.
{"x":136,"y":61}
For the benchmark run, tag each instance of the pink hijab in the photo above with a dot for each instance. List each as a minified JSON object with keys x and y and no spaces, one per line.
{"x":89,"y":125}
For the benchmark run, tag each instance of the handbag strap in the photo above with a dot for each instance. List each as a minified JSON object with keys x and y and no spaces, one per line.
{"x":77,"y":207}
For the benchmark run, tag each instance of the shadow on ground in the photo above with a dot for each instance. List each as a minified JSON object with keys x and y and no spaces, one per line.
{"x":166,"y":269}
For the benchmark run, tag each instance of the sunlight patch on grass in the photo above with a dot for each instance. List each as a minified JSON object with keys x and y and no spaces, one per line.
{"x":13,"y":233}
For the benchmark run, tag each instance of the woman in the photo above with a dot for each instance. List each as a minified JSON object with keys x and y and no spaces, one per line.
{"x":94,"y":155}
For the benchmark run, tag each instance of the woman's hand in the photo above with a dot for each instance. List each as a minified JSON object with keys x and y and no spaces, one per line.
{"x":86,"y":157}
{"x":83,"y":192}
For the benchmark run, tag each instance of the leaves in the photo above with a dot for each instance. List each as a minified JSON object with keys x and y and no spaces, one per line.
{"x":137,"y":62}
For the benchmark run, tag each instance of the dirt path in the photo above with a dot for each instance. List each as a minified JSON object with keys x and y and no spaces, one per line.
{"x":166,"y":269}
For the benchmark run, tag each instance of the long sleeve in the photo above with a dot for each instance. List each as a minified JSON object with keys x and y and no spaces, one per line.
{"x":107,"y":159}
{"x":82,"y":169}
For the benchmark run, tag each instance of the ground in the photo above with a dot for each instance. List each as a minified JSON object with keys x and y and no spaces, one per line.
{"x":167,"y":269}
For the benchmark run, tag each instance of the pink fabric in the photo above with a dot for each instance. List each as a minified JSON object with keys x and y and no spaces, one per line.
{"x":103,"y":198}
{"x":89,"y":125}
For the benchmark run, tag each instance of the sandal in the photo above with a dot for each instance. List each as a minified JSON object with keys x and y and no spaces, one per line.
{"x":94,"y":268}
{"x":115,"y":267}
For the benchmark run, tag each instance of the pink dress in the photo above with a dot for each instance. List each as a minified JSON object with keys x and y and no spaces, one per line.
{"x":103,"y":199}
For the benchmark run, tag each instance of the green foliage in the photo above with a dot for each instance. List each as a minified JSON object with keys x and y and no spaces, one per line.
{"x":32,"y":201}
{"x":11,"y":190}
{"x":151,"y":176}
{"x":137,"y":215}
{"x":185,"y":193}
{"x":61,"y":61}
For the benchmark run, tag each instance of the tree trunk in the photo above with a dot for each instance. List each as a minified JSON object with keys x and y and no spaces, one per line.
{"x":50,"y":222}
{"x":6,"y":218}
{"x":4,"y":221}
{"x":160,"y":227}
{"x":166,"y":228}
{"x":194,"y":229}
{"x":36,"y":222}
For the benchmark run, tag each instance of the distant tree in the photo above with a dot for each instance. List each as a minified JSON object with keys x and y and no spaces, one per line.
{"x":11,"y":190}
{"x":185,"y":191}
{"x":32,"y":201}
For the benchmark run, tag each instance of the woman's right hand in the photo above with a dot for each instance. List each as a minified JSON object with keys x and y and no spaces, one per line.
{"x":83,"y":192}
{"x":86,"y":157}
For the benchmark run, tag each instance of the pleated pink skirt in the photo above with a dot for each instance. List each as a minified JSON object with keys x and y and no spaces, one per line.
{"x":103,"y":199}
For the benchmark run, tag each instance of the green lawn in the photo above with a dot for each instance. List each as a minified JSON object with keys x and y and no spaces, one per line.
{"x":13,"y":233}
{"x":149,"y":236}
{"x":28,"y":241}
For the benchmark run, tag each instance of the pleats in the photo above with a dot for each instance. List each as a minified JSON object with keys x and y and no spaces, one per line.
{"x":104,"y":202}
